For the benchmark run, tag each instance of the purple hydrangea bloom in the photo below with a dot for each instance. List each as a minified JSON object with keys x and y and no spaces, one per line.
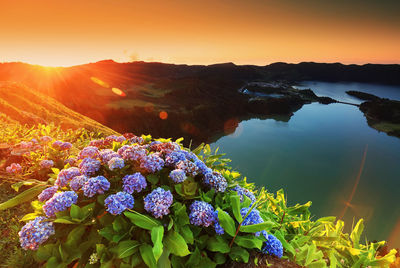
{"x":66,"y":175}
{"x":95,"y":185}
{"x":107,"y":154}
{"x":190,"y":155}
{"x":120,"y":139}
{"x":71,"y":161}
{"x":201,"y":214}
{"x":215,"y":181}
{"x":134,"y":153}
{"x":273,"y":246}
{"x":158,"y":202}
{"x":116,"y":163}
{"x":59,"y":202}
{"x":136,"y":139}
{"x":244,"y":192}
{"x":14,"y":168}
{"x":65,"y":146}
{"x":111,"y":138}
{"x":25,"y":144}
{"x":154,"y":145}
{"x":57,"y":144}
{"x":89,"y":166}
{"x":189,"y":167}
{"x":96,"y":143}
{"x":77,"y":182}
{"x":35,"y":233}
{"x":122,"y":149}
{"x":173,"y":158}
{"x":134,"y":183}
{"x":46,"y":163}
{"x":219,"y":230}
{"x":152,"y":163}
{"x":46,"y":139}
{"x":166,"y":147}
{"x":47,"y":193}
{"x":89,"y":151}
{"x":177,"y":175}
{"x":119,"y":202}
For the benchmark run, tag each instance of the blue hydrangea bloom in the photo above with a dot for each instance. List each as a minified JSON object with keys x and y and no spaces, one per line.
{"x":107,"y":154}
{"x":35,"y":233}
{"x":273,"y":246}
{"x":253,"y":217}
{"x":190,"y":155}
{"x":77,"y":182}
{"x":202,"y":167}
{"x":59,"y":202}
{"x":71,"y":161}
{"x":215,"y":181}
{"x":173,"y":158}
{"x":116,"y":163}
{"x":95,"y":185}
{"x":189,"y":167}
{"x":46,"y":163}
{"x":158,"y":202}
{"x":134,"y":153}
{"x":201,"y":214}
{"x":47,"y":193}
{"x":119,"y":202}
{"x":177,"y":175}
{"x":134,"y":183}
{"x":152,"y":163}
{"x":218,"y":228}
{"x":244,"y":192}
{"x":66,"y":175}
{"x":89,"y":166}
{"x":89,"y":151}
{"x":136,"y":139}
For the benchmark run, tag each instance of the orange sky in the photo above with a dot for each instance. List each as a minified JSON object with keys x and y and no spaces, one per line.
{"x":62,"y":33}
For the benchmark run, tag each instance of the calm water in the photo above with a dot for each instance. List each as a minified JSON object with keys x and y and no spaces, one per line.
{"x":317,"y":155}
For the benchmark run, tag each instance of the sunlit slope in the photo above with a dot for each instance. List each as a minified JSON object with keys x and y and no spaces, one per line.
{"x":23,"y":104}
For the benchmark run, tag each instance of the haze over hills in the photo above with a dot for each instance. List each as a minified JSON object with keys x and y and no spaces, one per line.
{"x":198,"y":102}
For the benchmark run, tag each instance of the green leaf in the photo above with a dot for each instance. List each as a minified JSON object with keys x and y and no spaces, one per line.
{"x":226,"y":222}
{"x":356,"y":233}
{"x":253,"y":228}
{"x":126,"y":248}
{"x":142,"y":221}
{"x":235,"y":203}
{"x":157,"y":234}
{"x":29,"y":217}
{"x":75,"y":236}
{"x":76,"y":212}
{"x":153,"y":179}
{"x":218,"y":244}
{"x":65,"y":221}
{"x":146,"y":252}
{"x":45,"y":252}
{"x":187,"y":234}
{"x":176,"y":244}
{"x":248,"y":241}
{"x":23,"y":197}
{"x":164,"y":261}
{"x":288,"y":247}
{"x":239,"y":254}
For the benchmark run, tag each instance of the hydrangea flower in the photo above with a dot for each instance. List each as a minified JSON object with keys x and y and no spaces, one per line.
{"x":97,"y":143}
{"x":46,"y":139}
{"x":134,"y":183}
{"x":116,"y":138}
{"x":189,"y":167}
{"x":158,"y":202}
{"x":116,"y":163}
{"x":154,"y":145}
{"x":25,"y":144}
{"x":59,"y":202}
{"x":166,"y":147}
{"x":107,"y":154}
{"x":89,"y":151}
{"x":89,"y":166}
{"x":136,"y":139}
{"x":65,"y":146}
{"x":253,"y":217}
{"x":219,"y":230}
{"x":122,"y":149}
{"x":215,"y":181}
{"x":244,"y":192}
{"x":47,"y":193}
{"x":35,"y":233}
{"x":152,"y":163}
{"x":202,"y":167}
{"x":46,"y":163}
{"x":177,"y":175}
{"x":173,"y":158}
{"x":14,"y":168}
{"x":273,"y":246}
{"x":95,"y":185}
{"x":77,"y":182}
{"x":57,"y":144}
{"x":190,"y":155}
{"x":134,"y":153}
{"x":119,"y":202}
{"x":66,"y":175}
{"x":71,"y":161}
{"x":201,"y":214}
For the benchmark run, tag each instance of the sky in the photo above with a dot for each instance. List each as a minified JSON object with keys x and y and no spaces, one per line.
{"x":64,"y":33}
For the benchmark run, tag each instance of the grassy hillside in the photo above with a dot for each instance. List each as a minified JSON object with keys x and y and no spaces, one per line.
{"x":26,"y":106}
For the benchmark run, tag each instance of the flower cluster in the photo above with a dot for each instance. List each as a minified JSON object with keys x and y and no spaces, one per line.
{"x":158,"y":202}
{"x":14,"y":168}
{"x":66,"y":175}
{"x":77,"y":182}
{"x":216,"y":181}
{"x":95,"y":185}
{"x":134,"y":183}
{"x":119,"y":202}
{"x":89,"y":151}
{"x":63,"y":146}
{"x":273,"y":246}
{"x":201,"y":214}
{"x":152,"y":163}
{"x":59,"y":202}
{"x":46,"y":163}
{"x":46,"y":139}
{"x":35,"y":232}
{"x":218,"y":228}
{"x":116,"y":163}
{"x":107,"y":154}
{"x":173,"y":158}
{"x":177,"y":175}
{"x":188,"y":166}
{"x":47,"y":193}
{"x":133,"y":153}
{"x":89,"y":166}
{"x":244,"y":192}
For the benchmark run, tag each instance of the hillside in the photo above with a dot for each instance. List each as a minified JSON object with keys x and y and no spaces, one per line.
{"x":22,"y":104}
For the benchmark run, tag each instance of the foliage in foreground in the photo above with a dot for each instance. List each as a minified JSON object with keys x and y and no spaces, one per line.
{"x":146,"y":230}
